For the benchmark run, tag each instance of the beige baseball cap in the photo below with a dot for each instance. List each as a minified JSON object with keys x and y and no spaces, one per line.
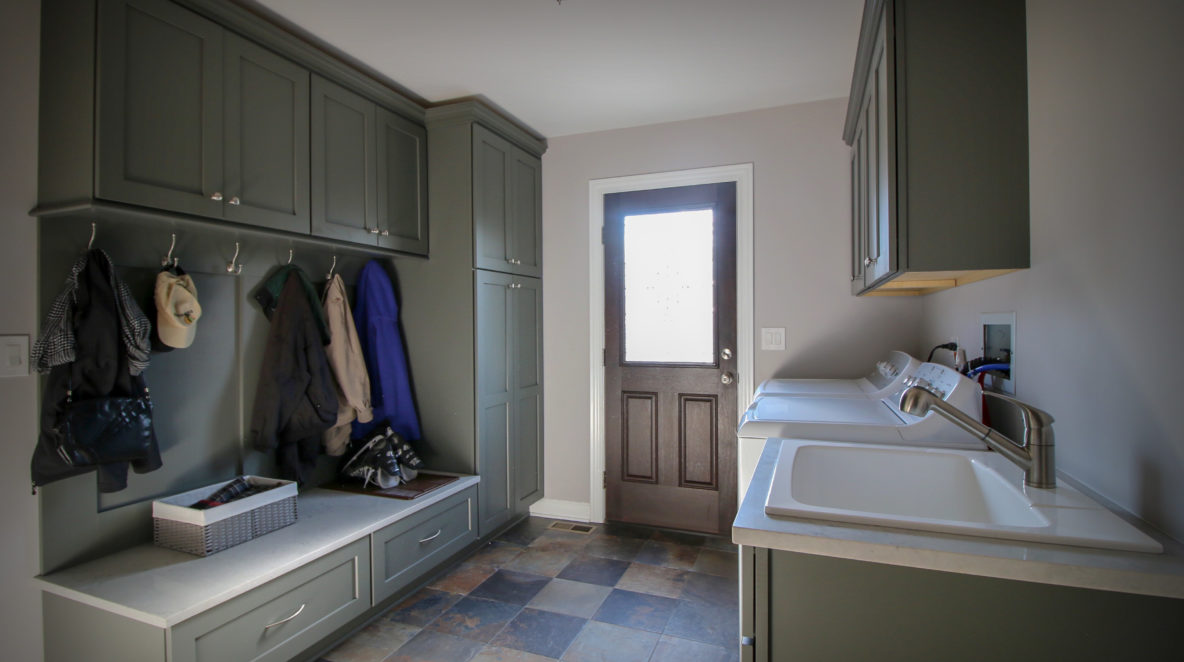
{"x":177,"y":309}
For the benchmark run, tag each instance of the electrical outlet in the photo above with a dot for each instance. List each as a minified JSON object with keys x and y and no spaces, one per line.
{"x":14,"y":356}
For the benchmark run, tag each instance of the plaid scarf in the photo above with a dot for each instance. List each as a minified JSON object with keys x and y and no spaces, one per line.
{"x":56,"y":345}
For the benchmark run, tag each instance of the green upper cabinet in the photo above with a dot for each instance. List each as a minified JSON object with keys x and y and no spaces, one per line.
{"x":196,"y":120}
{"x":344,"y":162}
{"x":266,"y":149}
{"x":369,"y":172}
{"x":402,"y":183}
{"x":938,"y":127}
{"x":507,"y":201}
{"x":159,"y":136}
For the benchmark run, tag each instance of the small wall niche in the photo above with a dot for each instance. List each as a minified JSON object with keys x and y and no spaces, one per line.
{"x":999,"y":345}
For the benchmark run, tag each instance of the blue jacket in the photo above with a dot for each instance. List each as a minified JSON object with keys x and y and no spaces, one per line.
{"x":376,"y":316}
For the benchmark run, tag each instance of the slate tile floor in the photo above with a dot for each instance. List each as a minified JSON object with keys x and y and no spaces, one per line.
{"x":622,"y":593}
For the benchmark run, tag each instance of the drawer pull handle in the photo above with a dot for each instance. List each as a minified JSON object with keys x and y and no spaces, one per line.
{"x":431,"y":537}
{"x":285,"y":620}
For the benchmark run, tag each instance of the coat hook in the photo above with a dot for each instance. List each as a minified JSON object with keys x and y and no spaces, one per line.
{"x":331,"y":268}
{"x":231,"y":267}
{"x":289,"y":256}
{"x":169,"y":258}
{"x":92,"y":236}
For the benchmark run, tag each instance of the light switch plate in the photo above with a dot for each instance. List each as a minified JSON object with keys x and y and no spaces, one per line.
{"x":773,"y":339}
{"x":14,"y":356}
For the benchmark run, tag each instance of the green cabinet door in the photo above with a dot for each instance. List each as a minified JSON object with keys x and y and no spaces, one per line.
{"x":159,"y":131}
{"x":491,"y":164}
{"x":525,"y":226}
{"x":526,"y":305}
{"x":266,"y":147}
{"x":495,"y":397}
{"x":344,"y":161}
{"x":507,"y":206}
{"x":402,"y":184}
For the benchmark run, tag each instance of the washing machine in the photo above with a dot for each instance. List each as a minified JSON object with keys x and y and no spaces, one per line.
{"x":884,"y":379}
{"x":862,"y":420}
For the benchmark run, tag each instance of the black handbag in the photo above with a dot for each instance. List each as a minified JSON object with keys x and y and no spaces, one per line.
{"x":105,"y":430}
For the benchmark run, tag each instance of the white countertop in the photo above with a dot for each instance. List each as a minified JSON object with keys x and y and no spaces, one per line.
{"x":163,"y":587}
{"x":1128,"y":572}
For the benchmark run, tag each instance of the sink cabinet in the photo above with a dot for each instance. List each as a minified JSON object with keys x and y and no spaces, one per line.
{"x":804,"y":607}
{"x":938,"y":129}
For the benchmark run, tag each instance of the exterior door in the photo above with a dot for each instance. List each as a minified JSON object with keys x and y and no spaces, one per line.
{"x":670,"y":361}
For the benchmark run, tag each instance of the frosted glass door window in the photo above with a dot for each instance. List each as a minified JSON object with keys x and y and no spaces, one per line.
{"x":669,"y":288}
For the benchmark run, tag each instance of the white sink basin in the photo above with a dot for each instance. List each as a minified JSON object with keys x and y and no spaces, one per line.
{"x":952,"y":491}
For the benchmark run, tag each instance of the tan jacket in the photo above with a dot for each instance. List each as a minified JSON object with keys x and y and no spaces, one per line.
{"x":347,"y":365}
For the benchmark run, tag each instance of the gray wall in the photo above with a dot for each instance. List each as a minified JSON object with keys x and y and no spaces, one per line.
{"x":801,"y":230}
{"x":1099,"y":313}
{"x":20,"y":610}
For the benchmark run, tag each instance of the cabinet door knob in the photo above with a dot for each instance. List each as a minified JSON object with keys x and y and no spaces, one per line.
{"x":385,"y":233}
{"x":235,"y":201}
{"x":217,"y":196}
{"x":373,"y":230}
{"x":869,"y":261}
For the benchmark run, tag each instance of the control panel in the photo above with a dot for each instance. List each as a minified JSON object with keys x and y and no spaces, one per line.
{"x":947,"y":384}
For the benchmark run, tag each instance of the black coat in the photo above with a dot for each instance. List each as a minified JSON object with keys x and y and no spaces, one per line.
{"x":100,"y":369}
{"x":295,"y":401}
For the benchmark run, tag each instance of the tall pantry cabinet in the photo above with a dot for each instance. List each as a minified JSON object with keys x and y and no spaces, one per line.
{"x":477,"y":358}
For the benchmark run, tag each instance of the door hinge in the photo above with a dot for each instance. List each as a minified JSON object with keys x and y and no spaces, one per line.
{"x":604,"y":475}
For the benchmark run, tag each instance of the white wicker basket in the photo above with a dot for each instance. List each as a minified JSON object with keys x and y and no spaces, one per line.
{"x":203,"y":532}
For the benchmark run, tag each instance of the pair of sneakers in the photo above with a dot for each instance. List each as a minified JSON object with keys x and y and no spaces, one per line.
{"x":384,"y":459}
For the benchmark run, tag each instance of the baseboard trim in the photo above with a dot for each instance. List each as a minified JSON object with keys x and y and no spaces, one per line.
{"x":576,"y":511}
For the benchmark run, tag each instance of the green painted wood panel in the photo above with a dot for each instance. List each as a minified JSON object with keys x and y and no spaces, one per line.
{"x":74,"y":631}
{"x":344,"y":161}
{"x":159,"y":135}
{"x":526,"y":214}
{"x":491,"y":171}
{"x":266,"y":148}
{"x":328,"y":592}
{"x":404,"y":550}
{"x":527,"y":378}
{"x":494,"y":333}
{"x":822,"y":608}
{"x":402,"y":184}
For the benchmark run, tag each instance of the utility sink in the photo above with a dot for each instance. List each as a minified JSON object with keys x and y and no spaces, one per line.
{"x":975,"y":493}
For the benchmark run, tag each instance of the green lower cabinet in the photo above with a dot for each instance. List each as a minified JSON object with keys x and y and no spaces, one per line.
{"x":806,"y":607}
{"x":404,"y":550}
{"x":283,"y":617}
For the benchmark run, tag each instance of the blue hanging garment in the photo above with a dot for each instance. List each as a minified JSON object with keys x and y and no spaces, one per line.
{"x":376,"y":317}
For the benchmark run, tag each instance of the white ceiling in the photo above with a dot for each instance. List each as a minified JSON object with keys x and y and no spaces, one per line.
{"x":591,"y":65}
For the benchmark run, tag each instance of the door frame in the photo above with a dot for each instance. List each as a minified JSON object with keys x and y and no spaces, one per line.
{"x":741,"y":174}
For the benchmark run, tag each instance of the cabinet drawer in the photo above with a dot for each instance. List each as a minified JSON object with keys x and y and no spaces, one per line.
{"x":406,"y":549}
{"x":283,"y":617}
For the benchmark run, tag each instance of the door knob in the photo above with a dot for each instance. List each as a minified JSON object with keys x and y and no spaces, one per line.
{"x":217,"y":196}
{"x":235,"y":201}
{"x":373,"y":230}
{"x":726,"y":378}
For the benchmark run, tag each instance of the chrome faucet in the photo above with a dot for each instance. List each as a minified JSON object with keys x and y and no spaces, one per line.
{"x":1035,"y":455}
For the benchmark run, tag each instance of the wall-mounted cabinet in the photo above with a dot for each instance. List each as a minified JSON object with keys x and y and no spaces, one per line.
{"x":507,"y":201}
{"x":187,"y":117}
{"x":369,"y":172}
{"x":938,"y":129}
{"x":194,"y":119}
